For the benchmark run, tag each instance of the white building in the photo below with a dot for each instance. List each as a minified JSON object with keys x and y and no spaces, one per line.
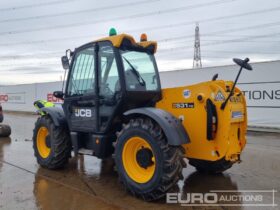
{"x":261,"y":87}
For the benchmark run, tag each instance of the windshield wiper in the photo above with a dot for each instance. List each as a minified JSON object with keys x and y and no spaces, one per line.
{"x":137,"y":74}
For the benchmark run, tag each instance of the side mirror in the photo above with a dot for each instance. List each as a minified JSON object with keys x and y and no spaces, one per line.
{"x":58,"y":94}
{"x":243,"y":63}
{"x":65,"y":62}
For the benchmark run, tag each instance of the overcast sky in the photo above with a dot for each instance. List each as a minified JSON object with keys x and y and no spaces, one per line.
{"x":35,"y":34}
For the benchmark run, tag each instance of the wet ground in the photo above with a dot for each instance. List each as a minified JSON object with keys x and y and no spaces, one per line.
{"x":89,"y":183}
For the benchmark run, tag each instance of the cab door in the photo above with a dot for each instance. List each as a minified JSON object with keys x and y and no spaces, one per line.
{"x":110,"y":86}
{"x":81,"y":94}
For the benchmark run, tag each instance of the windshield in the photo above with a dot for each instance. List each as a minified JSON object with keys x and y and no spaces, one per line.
{"x":140,"y":71}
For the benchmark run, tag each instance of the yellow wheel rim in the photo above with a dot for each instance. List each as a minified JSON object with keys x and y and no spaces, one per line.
{"x":131,"y":166}
{"x":42,"y":147}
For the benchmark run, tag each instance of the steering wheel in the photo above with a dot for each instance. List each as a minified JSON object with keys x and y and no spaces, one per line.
{"x":105,"y":90}
{"x":243,"y":63}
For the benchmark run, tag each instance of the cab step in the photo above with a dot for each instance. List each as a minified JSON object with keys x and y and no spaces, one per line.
{"x":83,"y":151}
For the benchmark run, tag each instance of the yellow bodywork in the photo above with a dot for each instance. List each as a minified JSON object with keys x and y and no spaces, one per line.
{"x":230,"y":136}
{"x":117,"y":40}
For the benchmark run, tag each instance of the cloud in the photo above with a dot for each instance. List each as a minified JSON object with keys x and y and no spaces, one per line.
{"x":30,"y":55}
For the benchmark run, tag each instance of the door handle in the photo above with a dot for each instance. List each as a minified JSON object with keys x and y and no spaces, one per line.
{"x":70,"y":109}
{"x":86,"y":103}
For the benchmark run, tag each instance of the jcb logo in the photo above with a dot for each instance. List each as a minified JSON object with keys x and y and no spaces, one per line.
{"x":83,"y":113}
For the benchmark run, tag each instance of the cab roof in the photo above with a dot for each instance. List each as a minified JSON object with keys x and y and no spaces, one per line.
{"x":117,"y":41}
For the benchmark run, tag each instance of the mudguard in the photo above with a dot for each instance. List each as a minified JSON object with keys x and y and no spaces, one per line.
{"x":57,"y":115}
{"x":171,"y":126}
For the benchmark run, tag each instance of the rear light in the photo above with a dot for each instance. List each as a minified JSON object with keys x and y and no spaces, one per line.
{"x":214,"y":125}
{"x":212,"y":120}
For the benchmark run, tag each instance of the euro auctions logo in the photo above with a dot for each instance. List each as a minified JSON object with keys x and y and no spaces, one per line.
{"x":13,"y":98}
{"x":224,"y":198}
{"x":53,"y":99}
{"x":4,"y":98}
{"x":192,"y":198}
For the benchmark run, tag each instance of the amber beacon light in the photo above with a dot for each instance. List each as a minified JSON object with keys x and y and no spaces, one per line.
{"x":143,"y":37}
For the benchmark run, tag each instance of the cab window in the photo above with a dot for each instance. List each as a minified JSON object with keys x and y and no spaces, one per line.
{"x":140,"y":71}
{"x":82,"y":74}
{"x":109,"y":81}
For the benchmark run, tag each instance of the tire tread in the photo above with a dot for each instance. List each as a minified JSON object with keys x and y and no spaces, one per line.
{"x":173,"y":160}
{"x":60,"y":143}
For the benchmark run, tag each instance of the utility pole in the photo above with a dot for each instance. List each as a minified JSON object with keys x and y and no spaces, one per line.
{"x":197,"y":56}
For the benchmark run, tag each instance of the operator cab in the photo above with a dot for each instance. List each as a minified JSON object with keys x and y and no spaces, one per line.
{"x":108,"y":77}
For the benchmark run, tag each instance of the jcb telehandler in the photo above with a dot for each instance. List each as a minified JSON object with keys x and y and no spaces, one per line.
{"x":114,"y":105}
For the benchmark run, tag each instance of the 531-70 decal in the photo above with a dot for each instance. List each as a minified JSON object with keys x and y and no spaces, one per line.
{"x":182,"y":105}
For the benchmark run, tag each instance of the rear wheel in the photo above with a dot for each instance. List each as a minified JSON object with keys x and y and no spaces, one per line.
{"x":5,"y":130}
{"x":211,"y":167}
{"x":147,"y":166}
{"x":52,"y":146}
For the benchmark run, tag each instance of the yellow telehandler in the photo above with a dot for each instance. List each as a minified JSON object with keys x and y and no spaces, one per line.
{"x":114,"y":105}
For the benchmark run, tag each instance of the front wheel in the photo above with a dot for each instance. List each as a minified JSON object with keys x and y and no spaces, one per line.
{"x":52,"y":145}
{"x":147,"y":166}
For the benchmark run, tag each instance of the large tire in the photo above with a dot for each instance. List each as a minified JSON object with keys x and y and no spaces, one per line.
{"x":153,"y":180}
{"x":5,"y":130}
{"x":211,"y":167}
{"x":52,"y":144}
